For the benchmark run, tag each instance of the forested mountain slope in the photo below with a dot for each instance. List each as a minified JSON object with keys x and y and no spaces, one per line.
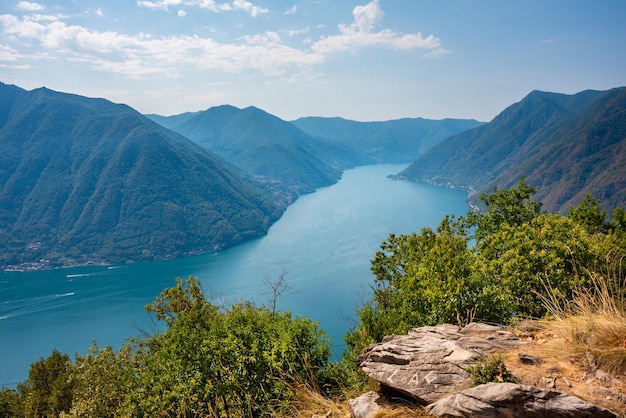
{"x":88,"y":180}
{"x":393,"y":141}
{"x":264,"y":145}
{"x":565,"y":145}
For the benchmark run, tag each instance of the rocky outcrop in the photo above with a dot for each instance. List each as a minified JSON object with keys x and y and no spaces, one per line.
{"x":428,"y":366}
{"x":513,"y":400}
{"x":366,"y":405}
{"x":430,"y":362}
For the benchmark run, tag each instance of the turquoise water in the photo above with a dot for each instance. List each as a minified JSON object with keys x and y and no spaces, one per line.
{"x":324,"y":242}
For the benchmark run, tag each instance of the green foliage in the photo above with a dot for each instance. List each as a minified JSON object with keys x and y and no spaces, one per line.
{"x":493,"y":266}
{"x":48,"y":390}
{"x":103,"y":382}
{"x":241,"y":361}
{"x":87,"y":180}
{"x":524,"y":263}
{"x":431,"y":284}
{"x":490,"y":369}
{"x":589,"y":214}
{"x":10,"y":403}
{"x":619,"y":220}
{"x":210,"y":361}
{"x":512,"y":207}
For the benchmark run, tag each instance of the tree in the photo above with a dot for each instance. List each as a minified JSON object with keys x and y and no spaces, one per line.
{"x":211,"y":361}
{"x":10,"y":403}
{"x":618,"y":223}
{"x":513,"y":207}
{"x":48,"y":390}
{"x":528,"y":262}
{"x":589,"y":215}
{"x":276,"y":288}
{"x":494,"y":266}
{"x":104,"y":380}
{"x":421,"y":279}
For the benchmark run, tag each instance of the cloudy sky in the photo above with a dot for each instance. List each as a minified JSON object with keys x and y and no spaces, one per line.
{"x":376,"y":60}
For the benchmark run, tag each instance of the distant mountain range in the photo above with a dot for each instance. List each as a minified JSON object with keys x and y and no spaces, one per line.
{"x":398,"y":141}
{"x":565,"y":145}
{"x":85,"y":180}
{"x":271,"y":149}
{"x":88,"y":181}
{"x":309,"y":152}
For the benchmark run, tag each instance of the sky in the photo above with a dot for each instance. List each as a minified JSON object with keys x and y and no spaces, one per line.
{"x":360,"y":60}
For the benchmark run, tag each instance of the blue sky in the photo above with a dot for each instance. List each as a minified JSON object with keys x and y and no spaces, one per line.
{"x":376,"y":60}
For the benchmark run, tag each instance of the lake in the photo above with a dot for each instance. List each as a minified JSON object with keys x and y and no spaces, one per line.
{"x":324,"y":242}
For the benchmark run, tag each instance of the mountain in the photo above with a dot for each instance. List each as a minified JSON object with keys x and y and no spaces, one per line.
{"x":565,"y":145}
{"x":86,"y":180}
{"x":273,"y":150}
{"x":394,"y":141}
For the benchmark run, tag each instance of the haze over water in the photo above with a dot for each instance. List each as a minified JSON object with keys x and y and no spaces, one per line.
{"x":324,"y":242}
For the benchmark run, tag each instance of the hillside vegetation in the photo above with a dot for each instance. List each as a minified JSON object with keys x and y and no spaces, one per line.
{"x":565,"y":145}
{"x":507,"y":264}
{"x":85,"y":180}
{"x":271,"y":149}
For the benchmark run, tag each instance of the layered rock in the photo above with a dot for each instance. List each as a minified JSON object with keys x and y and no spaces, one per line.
{"x":430,"y":362}
{"x":513,"y":400}
{"x":428,"y":366}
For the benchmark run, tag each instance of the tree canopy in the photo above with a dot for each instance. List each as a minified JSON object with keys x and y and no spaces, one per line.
{"x":498,"y":265}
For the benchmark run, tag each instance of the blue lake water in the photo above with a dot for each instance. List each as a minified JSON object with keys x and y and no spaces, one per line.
{"x":324,"y":242}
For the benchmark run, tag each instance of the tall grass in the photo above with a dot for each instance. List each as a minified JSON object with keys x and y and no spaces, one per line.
{"x":594,"y":321}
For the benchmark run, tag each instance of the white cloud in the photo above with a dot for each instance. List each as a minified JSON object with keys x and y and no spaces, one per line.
{"x":211,"y":5}
{"x":292,"y":11}
{"x":8,"y":54}
{"x":30,"y":6}
{"x":365,"y":17}
{"x":143,"y":55}
{"x":361,"y":34}
{"x":296,"y":32}
{"x":151,"y":5}
{"x":44,"y":18}
{"x":249,"y":7}
{"x":99,"y":12}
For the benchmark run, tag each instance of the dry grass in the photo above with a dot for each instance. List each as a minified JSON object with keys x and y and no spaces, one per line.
{"x":564,"y":367}
{"x":582,"y":347}
{"x":595,"y":322}
{"x":311,"y":404}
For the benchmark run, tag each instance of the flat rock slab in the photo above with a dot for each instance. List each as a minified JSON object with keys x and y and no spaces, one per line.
{"x":509,"y":400}
{"x":429,"y":362}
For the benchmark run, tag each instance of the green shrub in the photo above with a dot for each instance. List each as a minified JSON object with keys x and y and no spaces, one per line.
{"x":490,"y":369}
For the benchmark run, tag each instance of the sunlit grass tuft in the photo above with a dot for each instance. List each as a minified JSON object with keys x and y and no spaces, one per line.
{"x":595,"y":322}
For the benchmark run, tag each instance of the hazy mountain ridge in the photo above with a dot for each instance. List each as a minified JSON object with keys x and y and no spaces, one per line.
{"x":263,"y":145}
{"x":90,"y":180}
{"x":566,"y":145}
{"x":393,"y":141}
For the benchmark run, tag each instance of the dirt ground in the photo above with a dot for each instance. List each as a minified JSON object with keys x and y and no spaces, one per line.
{"x":549,"y":361}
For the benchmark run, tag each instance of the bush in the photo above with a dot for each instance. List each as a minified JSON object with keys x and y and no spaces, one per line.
{"x":244,"y":360}
{"x":490,"y":369}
